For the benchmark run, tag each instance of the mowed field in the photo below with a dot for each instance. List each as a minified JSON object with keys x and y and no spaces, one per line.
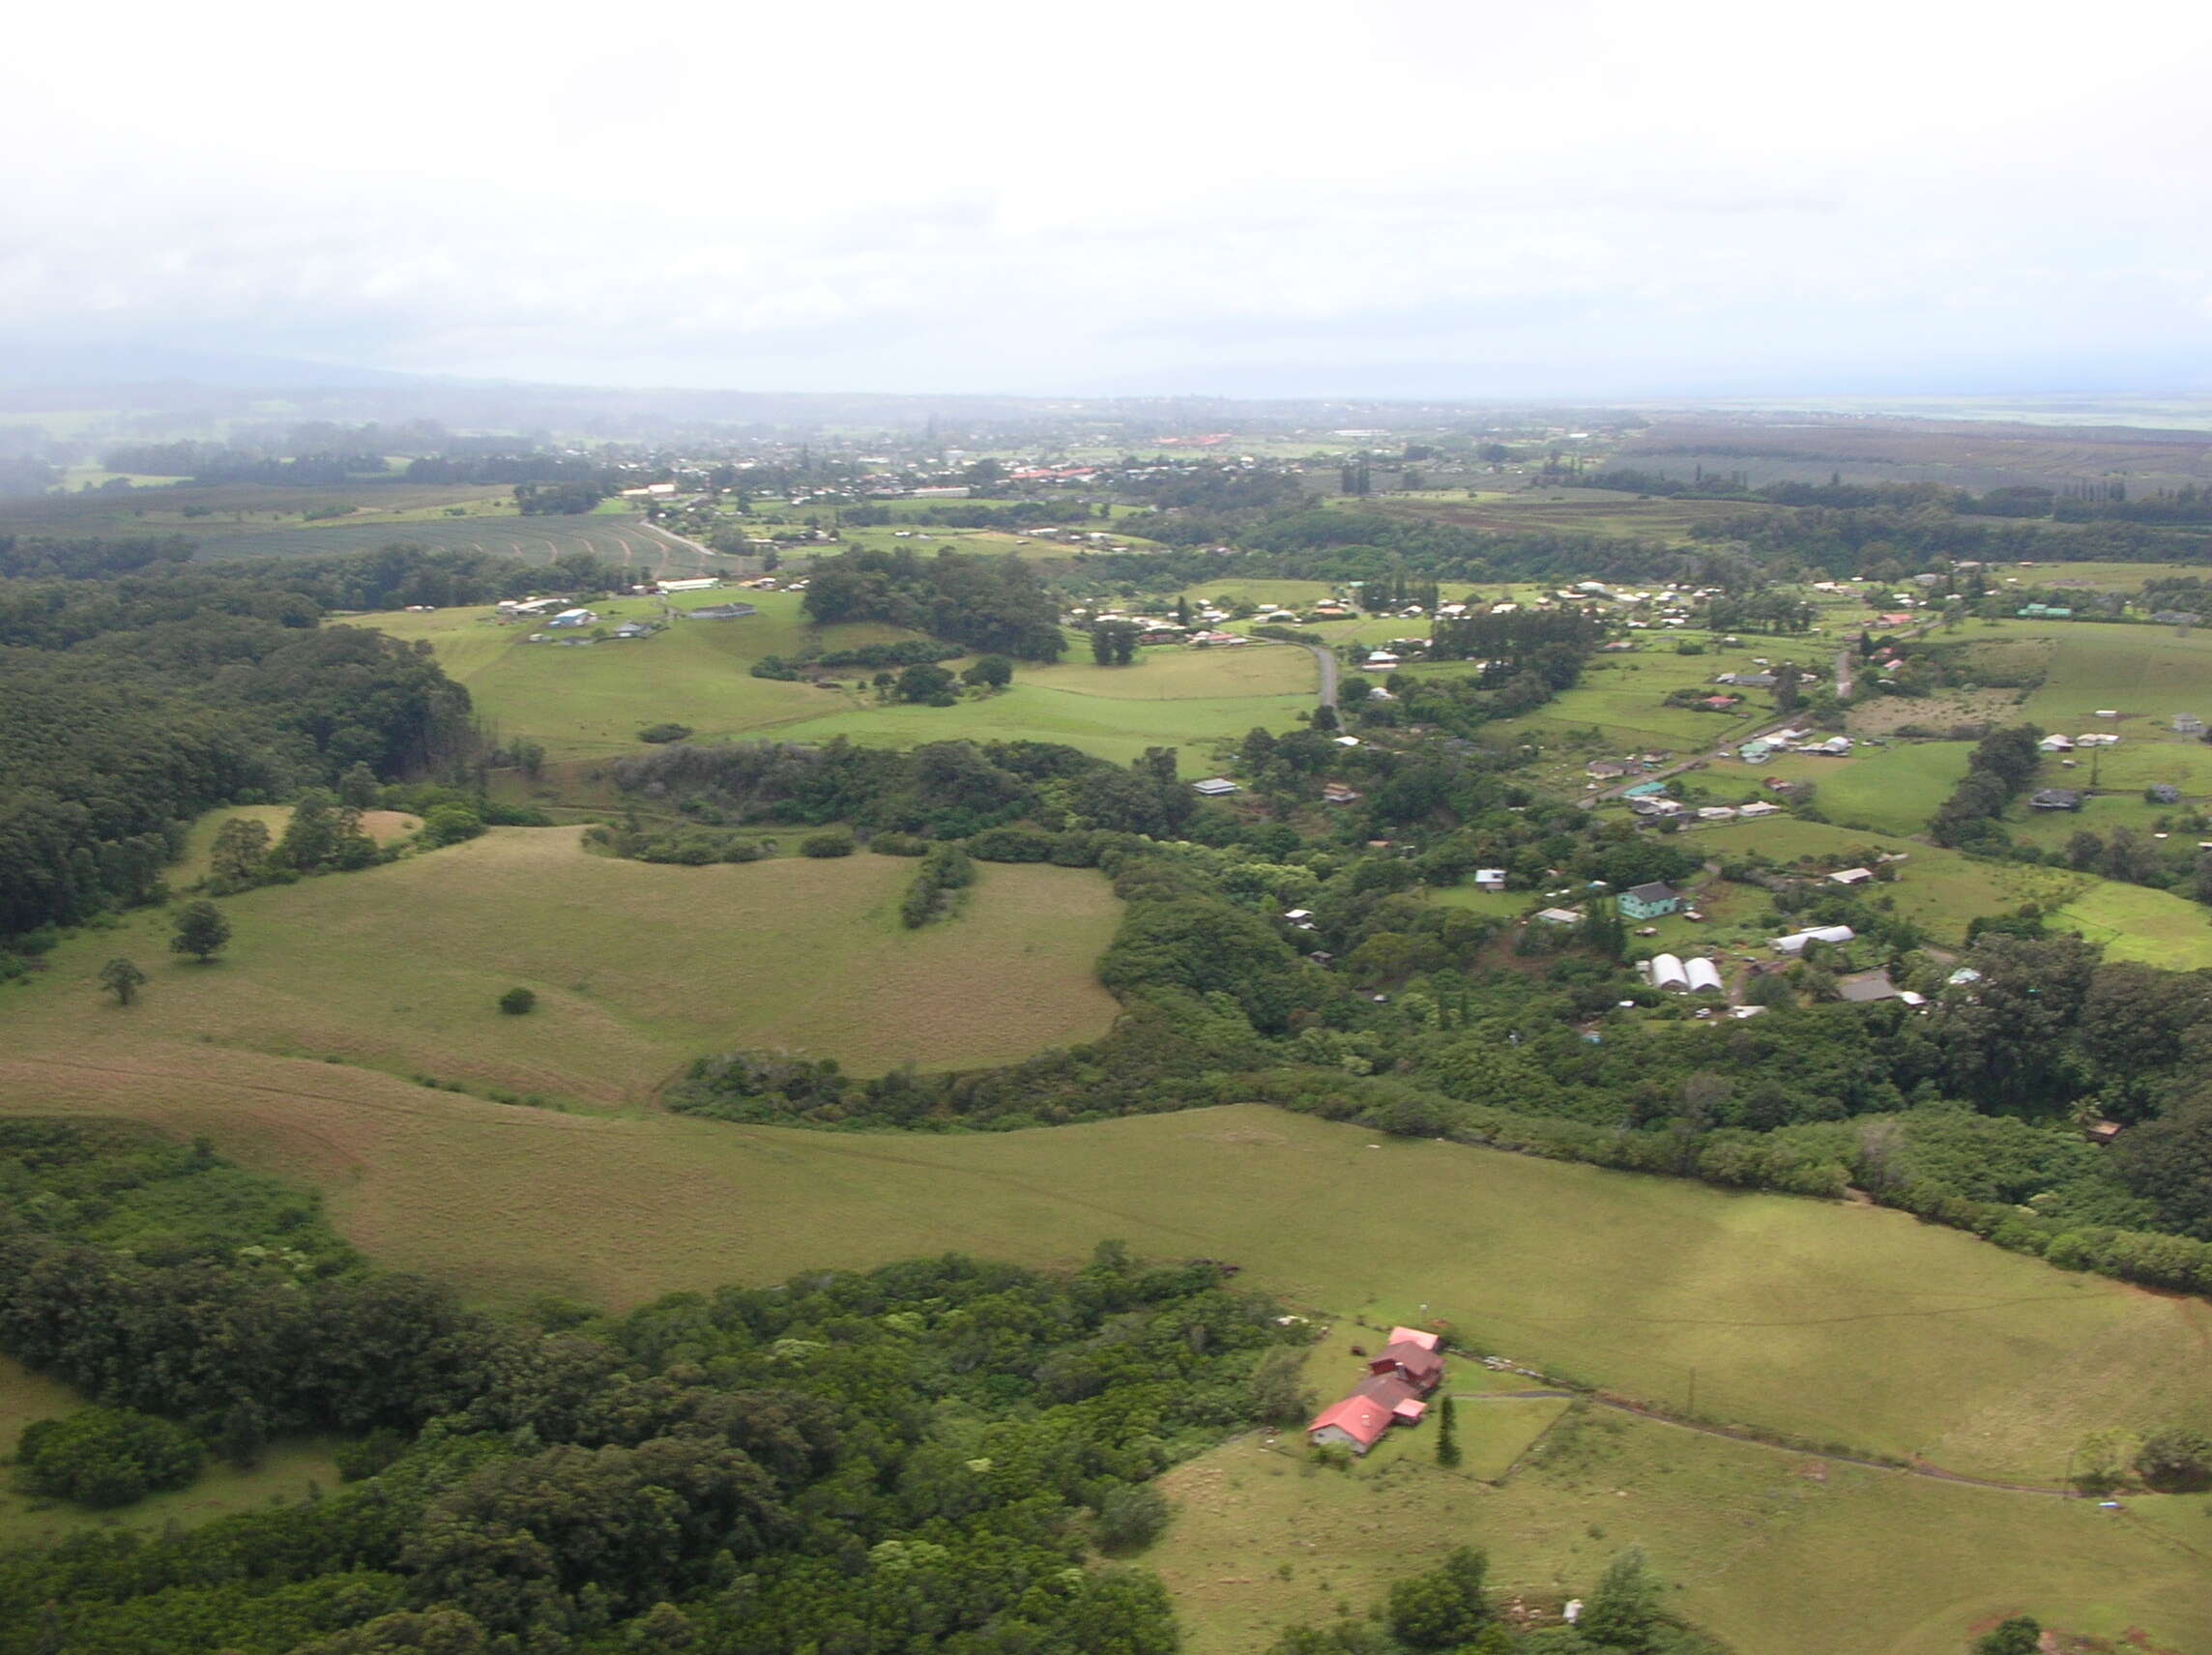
{"x":1772,"y":1550}
{"x":590,"y":703}
{"x":637,"y":969}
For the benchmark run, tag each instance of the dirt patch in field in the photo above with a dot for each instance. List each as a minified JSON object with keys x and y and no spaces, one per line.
{"x":1887,"y":713}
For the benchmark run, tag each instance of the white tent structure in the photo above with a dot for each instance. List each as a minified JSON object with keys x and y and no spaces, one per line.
{"x":1794,"y":942}
{"x":1704,"y":977}
{"x":1667,"y":972}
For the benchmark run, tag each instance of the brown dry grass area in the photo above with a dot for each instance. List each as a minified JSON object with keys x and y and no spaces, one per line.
{"x":1889,"y":712}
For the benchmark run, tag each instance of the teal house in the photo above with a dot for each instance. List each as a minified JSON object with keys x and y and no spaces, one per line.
{"x":1650,"y":901}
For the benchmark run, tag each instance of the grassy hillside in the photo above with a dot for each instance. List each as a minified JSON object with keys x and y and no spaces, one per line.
{"x":1837,"y":1322}
{"x":1771,"y":1551}
{"x":637,"y":969}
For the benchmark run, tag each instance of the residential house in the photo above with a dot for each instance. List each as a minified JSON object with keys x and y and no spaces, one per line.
{"x":1650,"y":901}
{"x":573,"y":618}
{"x":1394,"y":1392}
{"x":1560,"y":917}
{"x":2056,"y":799}
{"x":1490,"y":879}
{"x":1758,"y":808}
{"x":1381,"y":660}
{"x":1716,"y":813}
{"x":1604,"y":770}
{"x":1336,"y":792}
{"x":1863,"y":988}
{"x":2056,"y":743}
{"x":1214,"y":787}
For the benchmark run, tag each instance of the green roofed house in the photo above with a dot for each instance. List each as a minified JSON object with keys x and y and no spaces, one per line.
{"x":1644,"y":790}
{"x":1650,"y":901}
{"x":2043,"y":612}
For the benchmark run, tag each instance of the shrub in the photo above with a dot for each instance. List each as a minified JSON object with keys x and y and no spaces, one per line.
{"x":449,"y":824}
{"x":1132,"y":1517}
{"x":665,"y":731}
{"x":107,"y":1456}
{"x":518,"y":1003}
{"x":838,"y":844}
{"x":898,"y":845}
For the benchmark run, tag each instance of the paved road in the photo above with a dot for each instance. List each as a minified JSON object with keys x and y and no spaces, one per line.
{"x":1327,"y":657}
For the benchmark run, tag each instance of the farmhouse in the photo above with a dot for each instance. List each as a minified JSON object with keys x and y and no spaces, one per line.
{"x":1398,"y":1381}
{"x":1650,"y":901}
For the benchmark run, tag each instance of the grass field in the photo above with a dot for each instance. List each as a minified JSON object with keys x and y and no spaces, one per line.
{"x":1623,"y":696}
{"x":637,"y":969}
{"x":1773,"y":1551}
{"x":2135,"y":923}
{"x":1892,"y":790}
{"x":590,"y":703}
{"x":1833,"y":1322}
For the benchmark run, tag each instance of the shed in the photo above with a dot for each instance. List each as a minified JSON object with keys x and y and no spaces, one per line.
{"x":1214,"y":787}
{"x":1851,"y":876}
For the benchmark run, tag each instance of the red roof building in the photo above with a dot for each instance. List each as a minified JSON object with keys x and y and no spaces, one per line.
{"x":1414,"y":1336}
{"x":1417,"y":1364}
{"x":1358,"y":1422}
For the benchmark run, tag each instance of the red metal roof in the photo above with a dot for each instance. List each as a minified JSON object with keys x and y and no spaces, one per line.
{"x":1414,"y":1336}
{"x":1361,"y":1418}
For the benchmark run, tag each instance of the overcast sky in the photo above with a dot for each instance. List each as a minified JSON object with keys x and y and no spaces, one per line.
{"x":1581,"y":197}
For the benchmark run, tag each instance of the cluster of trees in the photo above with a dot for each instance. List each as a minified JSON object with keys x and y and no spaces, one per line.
{"x":944,"y":872}
{"x":869,"y":657}
{"x":2001,"y":767}
{"x":945,"y":790}
{"x":924,"y":1455}
{"x":568,"y":499}
{"x":993,"y":604}
{"x":228,"y":462}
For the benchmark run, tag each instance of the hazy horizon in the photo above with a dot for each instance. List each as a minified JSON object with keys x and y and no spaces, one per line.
{"x":1402,"y":200}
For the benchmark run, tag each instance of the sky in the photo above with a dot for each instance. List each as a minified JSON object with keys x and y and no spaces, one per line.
{"x":1388,"y":199}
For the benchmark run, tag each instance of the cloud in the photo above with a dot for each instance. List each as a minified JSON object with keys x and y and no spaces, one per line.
{"x":1000,"y":197}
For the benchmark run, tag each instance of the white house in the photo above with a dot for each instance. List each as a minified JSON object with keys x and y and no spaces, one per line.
{"x":1490,"y":879}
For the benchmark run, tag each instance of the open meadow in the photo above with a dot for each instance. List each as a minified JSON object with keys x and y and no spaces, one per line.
{"x":1833,"y":1322}
{"x":590,"y":703}
{"x":1772,"y":1550}
{"x":1891,"y":790}
{"x":637,"y":969}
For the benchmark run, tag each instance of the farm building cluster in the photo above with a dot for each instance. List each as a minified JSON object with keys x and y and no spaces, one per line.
{"x":1399,"y":1383}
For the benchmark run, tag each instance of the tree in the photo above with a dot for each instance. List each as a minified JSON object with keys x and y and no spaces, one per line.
{"x":925,"y":682}
{"x":992,"y":672}
{"x":359,"y":788}
{"x":1623,"y":1610}
{"x":518,"y":1003}
{"x":107,"y":1456}
{"x":2022,"y":1635}
{"x":245,"y":1434}
{"x":1132,"y":1517}
{"x":2175,"y":1459}
{"x":1114,"y":643}
{"x":123,"y":980}
{"x":1444,"y":1607}
{"x":201,"y":931}
{"x":449,"y":824}
{"x":240,"y":855}
{"x":1448,"y":1436}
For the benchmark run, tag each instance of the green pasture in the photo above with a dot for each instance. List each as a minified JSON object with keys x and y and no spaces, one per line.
{"x":1834,"y":1322}
{"x":2135,"y":923}
{"x":2146,"y":673}
{"x":1770,"y":1550}
{"x":1894,"y":790}
{"x":637,"y":969}
{"x":590,"y":703}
